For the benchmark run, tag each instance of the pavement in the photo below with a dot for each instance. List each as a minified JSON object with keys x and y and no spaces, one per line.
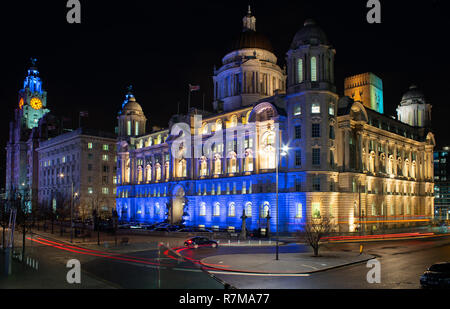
{"x":288,"y":263}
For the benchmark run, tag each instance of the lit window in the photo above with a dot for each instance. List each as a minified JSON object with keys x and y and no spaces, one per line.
{"x":331,"y":109}
{"x":216,"y":212}
{"x":63,"y":159}
{"x":202,"y":209}
{"x":313,"y":69}
{"x":129,"y":127}
{"x":299,"y":70}
{"x":248,"y":209}
{"x":105,"y":190}
{"x":89,"y":145}
{"x":265,"y":210}
{"x":299,"y":210}
{"x":105,"y":147}
{"x":315,"y":108}
{"x":90,"y":190}
{"x":231,"y":209}
{"x":316,"y":210}
{"x":137,"y":128}
{"x":297,"y":109}
{"x":105,"y":157}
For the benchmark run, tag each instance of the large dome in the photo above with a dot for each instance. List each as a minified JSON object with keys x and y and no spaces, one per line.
{"x":413,"y":95}
{"x":251,"y":39}
{"x":311,"y":34}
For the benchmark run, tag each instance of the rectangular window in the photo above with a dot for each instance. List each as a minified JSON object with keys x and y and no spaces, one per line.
{"x":105,"y":190}
{"x":89,"y":145}
{"x":331,"y":132}
{"x":316,"y":156}
{"x":299,"y":71}
{"x":331,"y":109}
{"x":298,"y":158}
{"x":90,"y":190}
{"x":316,"y":183}
{"x":313,"y":69}
{"x":115,"y":180}
{"x":298,"y":132}
{"x":299,"y":210}
{"x":137,"y":129}
{"x":105,"y":147}
{"x":298,"y":185}
{"x":105,"y":157}
{"x":315,"y":108}
{"x":129,"y":127}
{"x":89,"y":167}
{"x":315,"y":132}
{"x":316,"y":210}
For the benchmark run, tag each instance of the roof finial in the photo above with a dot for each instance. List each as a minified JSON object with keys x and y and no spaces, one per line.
{"x":249,"y":21}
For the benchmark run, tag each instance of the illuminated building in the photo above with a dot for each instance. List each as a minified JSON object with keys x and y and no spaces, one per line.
{"x":344,"y":158}
{"x":442,"y":183}
{"x":366,"y":88}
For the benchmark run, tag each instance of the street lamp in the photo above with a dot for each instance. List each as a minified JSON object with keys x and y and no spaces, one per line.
{"x":71,"y":208}
{"x":284,"y":152}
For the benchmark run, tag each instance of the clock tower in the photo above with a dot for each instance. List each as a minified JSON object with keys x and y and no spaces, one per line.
{"x":32,"y":98}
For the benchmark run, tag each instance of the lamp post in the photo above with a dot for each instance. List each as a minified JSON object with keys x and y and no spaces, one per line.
{"x":71,"y":207}
{"x":277,"y":156}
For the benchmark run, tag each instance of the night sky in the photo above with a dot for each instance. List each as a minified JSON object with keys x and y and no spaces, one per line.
{"x":160,"y":48}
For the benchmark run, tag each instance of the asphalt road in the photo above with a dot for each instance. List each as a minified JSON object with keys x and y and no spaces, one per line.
{"x":402,"y":263}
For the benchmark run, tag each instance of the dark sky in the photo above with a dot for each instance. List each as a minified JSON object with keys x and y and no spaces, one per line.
{"x":161,"y":47}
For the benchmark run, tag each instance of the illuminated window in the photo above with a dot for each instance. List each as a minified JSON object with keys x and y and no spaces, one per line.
{"x":299,"y":210}
{"x":136,"y":129}
{"x":63,"y":159}
{"x":331,"y":109}
{"x":265,"y":210}
{"x":299,"y":70}
{"x":313,"y":69}
{"x":129,"y":127}
{"x":248,"y":209}
{"x":105,"y":190}
{"x":106,"y":147}
{"x":90,"y":190}
{"x":316,"y":210}
{"x":105,"y":157}
{"x":315,"y":108}
{"x":297,"y":109}
{"x":218,"y":125}
{"x":216,"y":212}
{"x":89,"y":145}
{"x":202,"y":209}
{"x":232,"y":209}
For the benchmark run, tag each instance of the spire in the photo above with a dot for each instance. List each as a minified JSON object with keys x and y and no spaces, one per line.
{"x":32,"y":80}
{"x":249,"y":21}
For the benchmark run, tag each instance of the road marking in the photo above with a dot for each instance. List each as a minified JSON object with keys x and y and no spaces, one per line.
{"x":255,"y":274}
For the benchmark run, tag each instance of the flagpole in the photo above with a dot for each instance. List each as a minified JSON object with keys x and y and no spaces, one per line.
{"x":189,"y":99}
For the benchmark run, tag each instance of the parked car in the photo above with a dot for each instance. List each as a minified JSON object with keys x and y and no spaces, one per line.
{"x":437,"y":276}
{"x":199,"y":241}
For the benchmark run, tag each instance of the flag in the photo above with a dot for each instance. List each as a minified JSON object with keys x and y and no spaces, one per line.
{"x":84,"y":114}
{"x":194,"y":88}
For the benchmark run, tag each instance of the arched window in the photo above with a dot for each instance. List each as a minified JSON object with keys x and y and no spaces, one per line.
{"x":216,"y":211}
{"x":232,"y":163}
{"x":166,"y":170}
{"x":148,"y":173}
{"x":203,"y":167}
{"x":265,"y":209}
{"x":313,"y":69}
{"x":137,"y":128}
{"x":299,"y":71}
{"x":139,"y":180}
{"x":248,"y":163}
{"x":202,"y":209}
{"x":248,"y":209}
{"x":233,"y":121}
{"x":218,"y":125}
{"x":232,"y":209}
{"x":181,"y":168}
{"x":217,"y":165}
{"x":158,"y":172}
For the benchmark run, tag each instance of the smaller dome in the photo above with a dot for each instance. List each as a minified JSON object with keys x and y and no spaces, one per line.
{"x":311,"y":33}
{"x":413,"y":95}
{"x":132,"y":106}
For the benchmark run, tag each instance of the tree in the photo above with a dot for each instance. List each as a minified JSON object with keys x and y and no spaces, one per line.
{"x":315,"y":230}
{"x":22,"y":201}
{"x":4,"y":218}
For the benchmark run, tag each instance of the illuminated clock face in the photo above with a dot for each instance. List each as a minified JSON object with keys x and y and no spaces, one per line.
{"x":21,"y":103}
{"x":36,"y":103}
